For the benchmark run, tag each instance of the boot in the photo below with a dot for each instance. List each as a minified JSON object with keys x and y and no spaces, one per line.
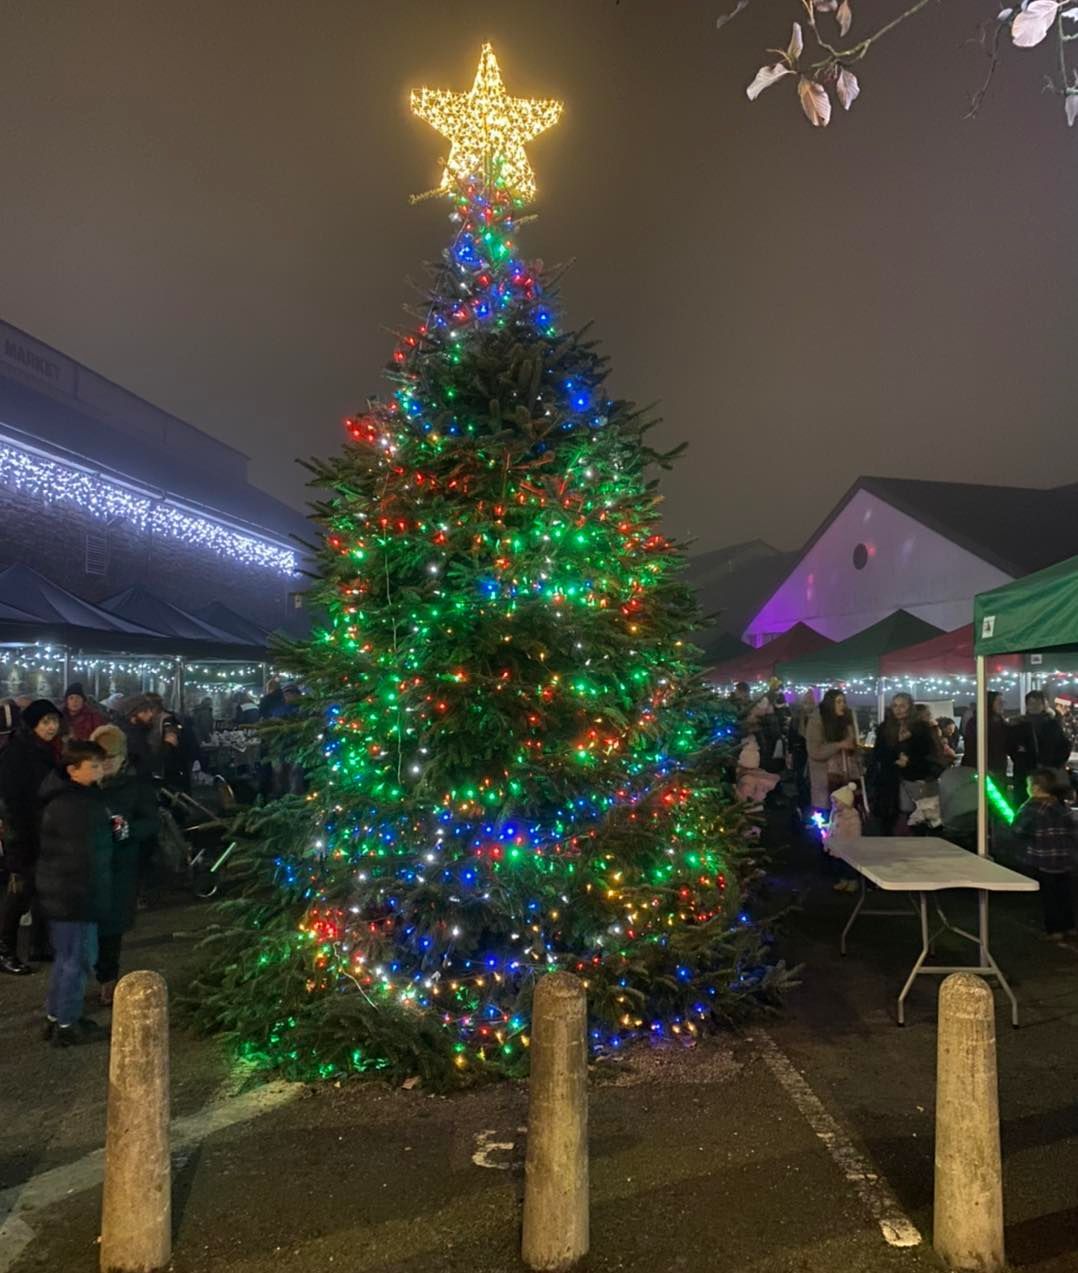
{"x":12,"y":964}
{"x":84,"y":1031}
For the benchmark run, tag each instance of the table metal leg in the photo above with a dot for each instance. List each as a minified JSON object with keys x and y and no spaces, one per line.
{"x":980,"y":940}
{"x":853,"y":914}
{"x":923,"y":908}
{"x":982,"y":924}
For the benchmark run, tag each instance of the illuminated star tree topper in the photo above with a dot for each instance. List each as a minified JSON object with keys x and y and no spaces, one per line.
{"x":487,"y":128}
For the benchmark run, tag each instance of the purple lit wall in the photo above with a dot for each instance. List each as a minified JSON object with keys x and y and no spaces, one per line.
{"x":871,"y":561}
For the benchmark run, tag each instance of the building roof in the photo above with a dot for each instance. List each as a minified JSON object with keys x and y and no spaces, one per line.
{"x":759,"y":664}
{"x":52,"y":400}
{"x":731,"y":584}
{"x":1017,"y":529}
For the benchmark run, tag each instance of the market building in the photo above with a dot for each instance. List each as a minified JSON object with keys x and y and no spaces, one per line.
{"x":101,"y":491}
{"x":926,"y":548}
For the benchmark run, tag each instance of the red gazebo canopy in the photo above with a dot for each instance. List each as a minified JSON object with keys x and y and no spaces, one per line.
{"x":759,"y":664}
{"x":949,"y":654}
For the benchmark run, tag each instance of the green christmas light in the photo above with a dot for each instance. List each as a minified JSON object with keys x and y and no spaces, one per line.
{"x":514,"y":764}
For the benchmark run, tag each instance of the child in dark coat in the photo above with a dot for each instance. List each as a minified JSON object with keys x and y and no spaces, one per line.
{"x":72,"y":884}
{"x":1045,"y":824}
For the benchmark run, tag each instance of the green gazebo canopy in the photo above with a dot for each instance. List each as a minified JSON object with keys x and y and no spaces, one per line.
{"x":858,"y":657}
{"x":1037,"y":612}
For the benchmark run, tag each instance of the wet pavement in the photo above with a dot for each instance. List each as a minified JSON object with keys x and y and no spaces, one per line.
{"x":712,"y":1158}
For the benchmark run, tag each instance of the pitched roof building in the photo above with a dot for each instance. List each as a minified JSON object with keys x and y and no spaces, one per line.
{"x":925,"y":547}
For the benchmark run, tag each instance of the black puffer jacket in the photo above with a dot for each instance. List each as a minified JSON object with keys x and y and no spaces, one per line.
{"x":75,"y":852}
{"x":924,"y":754}
{"x":1033,"y":741}
{"x":25,"y":763}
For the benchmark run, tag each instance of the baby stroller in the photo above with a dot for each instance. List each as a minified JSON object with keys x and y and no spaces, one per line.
{"x":196,"y":838}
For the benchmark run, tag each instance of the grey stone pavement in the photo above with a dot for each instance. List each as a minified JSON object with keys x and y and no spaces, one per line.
{"x":801,"y":1144}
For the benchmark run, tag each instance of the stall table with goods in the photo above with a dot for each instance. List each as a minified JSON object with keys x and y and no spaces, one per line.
{"x":233,"y":751}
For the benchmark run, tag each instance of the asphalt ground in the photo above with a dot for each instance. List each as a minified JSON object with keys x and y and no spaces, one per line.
{"x":773,"y":1150}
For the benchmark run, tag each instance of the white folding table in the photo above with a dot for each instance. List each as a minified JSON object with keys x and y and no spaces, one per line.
{"x":918,"y":866}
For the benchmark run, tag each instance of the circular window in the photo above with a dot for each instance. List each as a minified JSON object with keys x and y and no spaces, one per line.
{"x":860,"y":557}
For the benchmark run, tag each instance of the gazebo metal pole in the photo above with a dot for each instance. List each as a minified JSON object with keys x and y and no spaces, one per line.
{"x":982,"y":798}
{"x":67,"y":666}
{"x":180,"y":668}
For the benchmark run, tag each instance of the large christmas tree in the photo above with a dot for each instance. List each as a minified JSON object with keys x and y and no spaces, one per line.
{"x":514,"y":766}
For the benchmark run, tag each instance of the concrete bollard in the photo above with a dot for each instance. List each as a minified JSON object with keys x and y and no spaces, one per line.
{"x":136,"y":1211}
{"x":968,"y":1221}
{"x":556,"y":1168}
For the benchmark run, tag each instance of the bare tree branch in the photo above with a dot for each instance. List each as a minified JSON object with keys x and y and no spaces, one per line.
{"x":977,"y":100}
{"x":723,"y":18}
{"x":857,"y":51}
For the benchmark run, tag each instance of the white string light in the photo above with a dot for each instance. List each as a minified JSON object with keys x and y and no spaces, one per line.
{"x":58,"y":483}
{"x":205,"y":678}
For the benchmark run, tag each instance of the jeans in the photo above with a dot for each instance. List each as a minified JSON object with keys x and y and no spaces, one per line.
{"x":75,"y":946}
{"x":1057,"y":900}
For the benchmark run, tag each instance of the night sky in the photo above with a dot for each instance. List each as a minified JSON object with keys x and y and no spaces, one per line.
{"x":207,"y":202}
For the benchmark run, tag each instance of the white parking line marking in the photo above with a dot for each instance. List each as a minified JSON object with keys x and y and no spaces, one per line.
{"x":87,"y":1172}
{"x":484,"y":1147}
{"x":871,"y":1188}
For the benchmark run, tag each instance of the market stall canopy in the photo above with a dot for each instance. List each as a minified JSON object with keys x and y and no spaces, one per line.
{"x":858,"y":657}
{"x":218,"y":615}
{"x":1036,"y":613}
{"x":950,"y":654}
{"x":12,"y":614}
{"x":185,"y":633}
{"x":759,"y":664}
{"x":56,"y":614}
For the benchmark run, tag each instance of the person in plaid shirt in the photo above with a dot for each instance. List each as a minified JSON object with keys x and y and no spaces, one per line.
{"x":1045,"y":823}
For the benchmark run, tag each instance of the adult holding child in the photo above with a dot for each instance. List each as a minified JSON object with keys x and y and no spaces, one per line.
{"x":132,"y":807}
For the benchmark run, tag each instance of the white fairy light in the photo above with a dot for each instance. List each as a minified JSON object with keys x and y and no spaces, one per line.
{"x":58,"y":483}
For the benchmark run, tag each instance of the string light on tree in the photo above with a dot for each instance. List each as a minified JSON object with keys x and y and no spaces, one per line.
{"x":513,"y":759}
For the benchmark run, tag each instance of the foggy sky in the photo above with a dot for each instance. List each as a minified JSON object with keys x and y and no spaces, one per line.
{"x":207,"y":202}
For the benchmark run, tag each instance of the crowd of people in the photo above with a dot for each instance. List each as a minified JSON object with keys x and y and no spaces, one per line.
{"x":911,"y":774}
{"x":79,"y":829}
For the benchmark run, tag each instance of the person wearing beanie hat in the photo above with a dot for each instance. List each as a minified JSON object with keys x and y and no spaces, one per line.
{"x":132,"y":806}
{"x":80,"y":719}
{"x":25,"y":763}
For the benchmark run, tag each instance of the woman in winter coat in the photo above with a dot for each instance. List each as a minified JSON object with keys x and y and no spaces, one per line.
{"x":831,"y":742}
{"x":132,"y":806}
{"x":25,"y":763}
{"x":885,"y":772}
{"x":80,"y":719}
{"x":997,"y":741}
